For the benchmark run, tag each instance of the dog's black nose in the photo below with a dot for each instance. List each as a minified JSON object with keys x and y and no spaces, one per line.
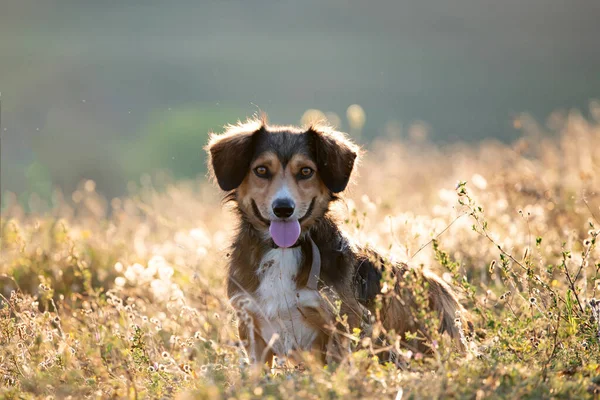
{"x":283,"y":208}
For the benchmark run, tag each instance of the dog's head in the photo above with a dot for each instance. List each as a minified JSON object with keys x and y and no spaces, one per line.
{"x":281,"y":173}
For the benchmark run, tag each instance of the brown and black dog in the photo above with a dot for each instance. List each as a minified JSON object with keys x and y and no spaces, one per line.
{"x":282,"y":284}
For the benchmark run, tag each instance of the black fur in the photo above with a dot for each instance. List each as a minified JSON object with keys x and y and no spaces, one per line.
{"x":335,"y":160}
{"x":231,"y":157}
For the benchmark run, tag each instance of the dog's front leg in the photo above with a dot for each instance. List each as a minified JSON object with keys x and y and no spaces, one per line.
{"x":249,"y":329}
{"x":257,"y":349}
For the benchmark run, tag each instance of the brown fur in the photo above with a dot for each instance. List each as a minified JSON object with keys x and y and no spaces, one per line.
{"x":352,"y":273}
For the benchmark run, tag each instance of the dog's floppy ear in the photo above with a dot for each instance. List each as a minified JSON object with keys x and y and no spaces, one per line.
{"x":230,"y":154}
{"x":334,"y":155}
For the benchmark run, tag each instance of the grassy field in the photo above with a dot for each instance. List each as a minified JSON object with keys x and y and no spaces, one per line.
{"x":131,"y":304}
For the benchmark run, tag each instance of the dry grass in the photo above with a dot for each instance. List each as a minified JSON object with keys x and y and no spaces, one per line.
{"x":132,"y":305}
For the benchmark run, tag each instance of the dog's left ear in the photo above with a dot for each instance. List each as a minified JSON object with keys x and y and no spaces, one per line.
{"x":335,"y":155}
{"x":230,"y":154}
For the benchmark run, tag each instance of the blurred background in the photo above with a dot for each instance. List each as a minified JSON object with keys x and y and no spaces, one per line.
{"x":112,"y":90}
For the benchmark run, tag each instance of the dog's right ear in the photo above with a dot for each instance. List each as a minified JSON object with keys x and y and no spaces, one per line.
{"x":335,"y":156}
{"x":230,"y":154}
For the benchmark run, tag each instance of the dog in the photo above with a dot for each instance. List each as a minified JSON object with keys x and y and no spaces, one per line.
{"x":295,"y":280}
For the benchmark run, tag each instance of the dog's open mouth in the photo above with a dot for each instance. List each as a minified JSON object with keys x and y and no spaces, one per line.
{"x":285,"y":233}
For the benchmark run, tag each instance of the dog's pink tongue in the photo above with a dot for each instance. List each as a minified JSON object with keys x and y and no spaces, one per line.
{"x":285,"y":233}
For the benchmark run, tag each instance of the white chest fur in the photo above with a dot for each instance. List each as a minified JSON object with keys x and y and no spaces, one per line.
{"x":279,"y":301}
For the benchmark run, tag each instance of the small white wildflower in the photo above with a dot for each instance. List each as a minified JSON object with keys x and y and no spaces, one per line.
{"x":130,"y":274}
{"x":479,"y":182}
{"x":165,"y":273}
{"x":119,"y":267}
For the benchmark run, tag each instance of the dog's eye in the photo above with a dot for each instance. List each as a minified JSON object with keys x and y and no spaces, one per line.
{"x":306,"y":173}
{"x":261,"y":172}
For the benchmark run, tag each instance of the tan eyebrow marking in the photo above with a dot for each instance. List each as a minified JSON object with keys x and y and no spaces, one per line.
{"x":299,"y":161}
{"x":268,"y":159}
